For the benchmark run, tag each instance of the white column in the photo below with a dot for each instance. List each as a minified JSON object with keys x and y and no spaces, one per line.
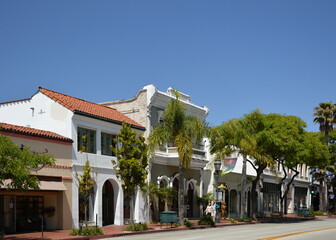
{"x":119,"y":210}
{"x":140,"y":209}
{"x":98,"y":209}
{"x":201,"y":190}
{"x":75,"y":213}
{"x":148,"y":123}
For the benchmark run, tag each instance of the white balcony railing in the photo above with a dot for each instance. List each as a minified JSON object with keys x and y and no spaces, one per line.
{"x":198,"y":153}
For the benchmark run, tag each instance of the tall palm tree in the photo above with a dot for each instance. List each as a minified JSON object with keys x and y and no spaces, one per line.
{"x":325,"y":116}
{"x":183,"y":131}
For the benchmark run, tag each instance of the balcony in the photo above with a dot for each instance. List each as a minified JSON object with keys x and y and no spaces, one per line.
{"x":172,"y":152}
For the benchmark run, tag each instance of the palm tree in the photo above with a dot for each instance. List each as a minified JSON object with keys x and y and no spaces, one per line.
{"x":183,"y":131}
{"x":325,"y":116}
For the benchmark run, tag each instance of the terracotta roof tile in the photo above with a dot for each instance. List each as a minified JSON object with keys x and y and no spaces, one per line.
{"x":32,"y":132}
{"x":92,"y":109}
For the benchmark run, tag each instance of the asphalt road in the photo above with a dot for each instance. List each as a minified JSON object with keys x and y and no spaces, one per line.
{"x":322,"y":229}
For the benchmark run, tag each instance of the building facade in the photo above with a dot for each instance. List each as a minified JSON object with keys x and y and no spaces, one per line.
{"x":23,"y":210}
{"x":147,"y":108}
{"x":74,"y":118}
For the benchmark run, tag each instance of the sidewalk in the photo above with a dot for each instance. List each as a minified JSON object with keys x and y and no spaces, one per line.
{"x":115,"y":231}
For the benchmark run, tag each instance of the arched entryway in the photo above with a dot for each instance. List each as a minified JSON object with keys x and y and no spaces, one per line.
{"x":162,"y":202}
{"x":233,"y":203}
{"x":190,"y":200}
{"x":175,"y":200}
{"x":108,"y":203}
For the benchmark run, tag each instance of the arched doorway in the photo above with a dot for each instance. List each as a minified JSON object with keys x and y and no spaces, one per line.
{"x":162,"y":203}
{"x":175,"y":200}
{"x":233,"y":203}
{"x":108,"y":203}
{"x":190,"y":200}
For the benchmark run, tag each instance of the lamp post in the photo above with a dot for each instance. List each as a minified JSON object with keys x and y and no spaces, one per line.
{"x":217,"y":165}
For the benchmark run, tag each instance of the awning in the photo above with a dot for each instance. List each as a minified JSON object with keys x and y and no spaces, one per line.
{"x":52,"y":186}
{"x":45,"y":185}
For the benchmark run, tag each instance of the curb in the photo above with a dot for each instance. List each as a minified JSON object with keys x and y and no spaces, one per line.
{"x":156,"y":231}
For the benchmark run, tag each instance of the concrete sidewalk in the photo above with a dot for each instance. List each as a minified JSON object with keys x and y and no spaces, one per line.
{"x":109,"y":231}
{"x":115,"y":231}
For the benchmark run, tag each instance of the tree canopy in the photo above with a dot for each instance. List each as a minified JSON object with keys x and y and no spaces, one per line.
{"x":131,"y":165}
{"x":16,"y":163}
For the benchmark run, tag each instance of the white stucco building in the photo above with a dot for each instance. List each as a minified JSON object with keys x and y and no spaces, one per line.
{"x":74,"y":118}
{"x":147,"y":108}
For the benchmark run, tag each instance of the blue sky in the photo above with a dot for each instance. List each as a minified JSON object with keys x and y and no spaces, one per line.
{"x":232,"y":56}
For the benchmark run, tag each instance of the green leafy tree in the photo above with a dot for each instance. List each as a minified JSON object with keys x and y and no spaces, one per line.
{"x":85,"y":188}
{"x":16,"y":163}
{"x":325,"y":116}
{"x":241,"y":136}
{"x":132,"y":163}
{"x":286,"y":140}
{"x":183,"y":131}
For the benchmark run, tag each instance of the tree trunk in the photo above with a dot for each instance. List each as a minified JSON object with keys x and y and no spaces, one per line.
{"x":132,"y":208}
{"x":254,"y":195}
{"x":181,"y":195}
{"x":243,"y":189}
{"x":283,"y":197}
{"x":323,"y":194}
{"x":85,"y":211}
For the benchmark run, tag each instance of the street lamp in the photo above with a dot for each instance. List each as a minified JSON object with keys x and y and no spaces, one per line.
{"x":217,"y":165}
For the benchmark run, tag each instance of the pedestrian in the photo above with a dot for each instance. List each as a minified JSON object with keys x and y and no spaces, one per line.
{"x":208,"y":210}
{"x":214,"y":210}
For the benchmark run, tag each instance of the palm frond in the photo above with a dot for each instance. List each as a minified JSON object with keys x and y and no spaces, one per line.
{"x":160,"y":135}
{"x":184,"y":148}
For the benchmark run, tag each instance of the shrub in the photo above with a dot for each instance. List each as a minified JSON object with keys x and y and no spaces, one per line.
{"x":206,"y":220}
{"x":317,"y":213}
{"x":244,"y":219}
{"x":91,"y":231}
{"x":177,"y":224}
{"x":86,"y":231}
{"x":187,"y":223}
{"x":137,"y":227}
{"x":231,"y":220}
{"x":75,"y":232}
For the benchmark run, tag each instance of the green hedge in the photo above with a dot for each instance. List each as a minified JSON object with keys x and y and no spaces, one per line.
{"x":206,"y":220}
{"x":137,"y":227}
{"x":87,"y":231}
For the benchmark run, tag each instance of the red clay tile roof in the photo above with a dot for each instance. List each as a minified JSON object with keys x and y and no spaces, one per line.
{"x":88,"y":108}
{"x":5,"y":127}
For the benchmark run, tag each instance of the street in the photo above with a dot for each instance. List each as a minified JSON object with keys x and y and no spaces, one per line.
{"x":315,"y":229}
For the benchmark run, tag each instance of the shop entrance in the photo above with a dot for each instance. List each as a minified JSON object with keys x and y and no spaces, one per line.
{"x":108,"y":203}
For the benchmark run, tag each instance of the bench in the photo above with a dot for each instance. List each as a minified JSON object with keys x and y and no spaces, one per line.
{"x":168,"y":217}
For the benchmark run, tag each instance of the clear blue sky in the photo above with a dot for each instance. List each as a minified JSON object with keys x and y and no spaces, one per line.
{"x":232,"y":56}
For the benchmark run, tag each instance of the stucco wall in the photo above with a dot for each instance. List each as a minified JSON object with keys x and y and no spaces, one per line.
{"x":61,"y":200}
{"x":135,"y":108}
{"x":39,"y":112}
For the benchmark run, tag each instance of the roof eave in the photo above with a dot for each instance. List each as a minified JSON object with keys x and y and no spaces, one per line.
{"x":107,"y":120}
{"x":36,"y":135}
